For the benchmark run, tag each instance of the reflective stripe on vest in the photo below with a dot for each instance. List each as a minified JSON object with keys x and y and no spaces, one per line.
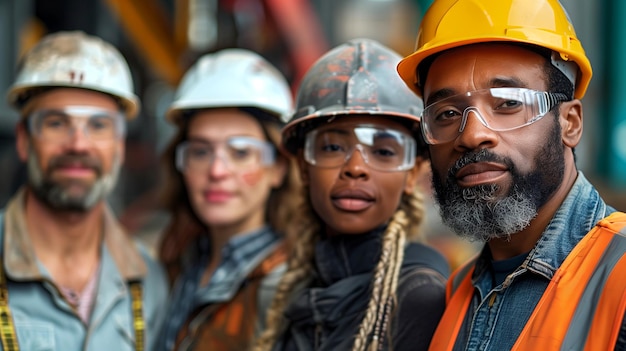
{"x":584,"y":303}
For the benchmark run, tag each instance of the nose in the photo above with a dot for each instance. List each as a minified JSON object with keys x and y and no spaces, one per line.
{"x":355,"y":166}
{"x":219,"y":166}
{"x":474,"y":133}
{"x":78,"y":138}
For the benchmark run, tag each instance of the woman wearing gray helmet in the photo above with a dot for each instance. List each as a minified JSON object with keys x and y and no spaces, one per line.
{"x":357,"y":277}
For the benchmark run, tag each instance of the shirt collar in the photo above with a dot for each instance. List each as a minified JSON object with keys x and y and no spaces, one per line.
{"x":241,"y":247}
{"x":578,"y":214}
{"x":22,"y":264}
{"x":240,"y":256}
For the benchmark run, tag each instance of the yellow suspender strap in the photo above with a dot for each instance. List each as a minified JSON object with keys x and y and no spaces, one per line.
{"x":7,"y":329}
{"x":138,"y":322}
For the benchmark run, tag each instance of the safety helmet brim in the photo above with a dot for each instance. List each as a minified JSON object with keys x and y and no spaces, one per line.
{"x":449,"y":24}
{"x":232,"y":77}
{"x":19,"y":94}
{"x":354,"y":78}
{"x":408,"y":67}
{"x":74,"y":59}
{"x":295,"y":131}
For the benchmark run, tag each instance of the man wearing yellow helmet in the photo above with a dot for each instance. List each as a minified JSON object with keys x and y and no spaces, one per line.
{"x":70,"y":276}
{"x":501,"y":82}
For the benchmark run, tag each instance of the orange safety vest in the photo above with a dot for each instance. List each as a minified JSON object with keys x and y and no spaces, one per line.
{"x":584,"y":303}
{"x":229,"y":325}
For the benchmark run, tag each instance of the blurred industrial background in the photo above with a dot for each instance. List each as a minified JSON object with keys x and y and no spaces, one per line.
{"x":162,"y":38}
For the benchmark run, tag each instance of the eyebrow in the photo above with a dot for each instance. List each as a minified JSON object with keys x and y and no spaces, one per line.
{"x":384,"y":135}
{"x":511,"y":82}
{"x":200,"y":140}
{"x":497,"y":82}
{"x":440,"y":95}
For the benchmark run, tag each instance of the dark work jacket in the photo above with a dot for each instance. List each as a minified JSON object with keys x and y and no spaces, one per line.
{"x":327,"y":313}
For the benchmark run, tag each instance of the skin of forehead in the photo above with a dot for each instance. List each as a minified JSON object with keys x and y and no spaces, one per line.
{"x":476,"y":67}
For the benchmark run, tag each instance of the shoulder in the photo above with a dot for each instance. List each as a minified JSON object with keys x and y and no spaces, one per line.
{"x":155,"y":277}
{"x":423,"y":276}
{"x":424,"y":257}
{"x":614,"y":222}
{"x":421,"y":296}
{"x":274,"y":264}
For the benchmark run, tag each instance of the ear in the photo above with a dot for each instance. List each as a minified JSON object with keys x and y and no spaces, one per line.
{"x":415,"y":174}
{"x":121,"y":149}
{"x":22,"y":143}
{"x":571,"y":120}
{"x":303,"y":167}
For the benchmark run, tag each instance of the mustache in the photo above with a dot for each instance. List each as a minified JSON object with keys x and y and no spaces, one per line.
{"x":482,"y":155}
{"x":73,"y":160}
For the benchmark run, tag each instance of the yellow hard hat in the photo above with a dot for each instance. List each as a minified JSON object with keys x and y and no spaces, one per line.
{"x":452,"y":23}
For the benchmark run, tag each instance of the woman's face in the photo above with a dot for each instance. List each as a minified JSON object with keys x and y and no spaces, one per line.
{"x":227,"y":171}
{"x":350,"y":195}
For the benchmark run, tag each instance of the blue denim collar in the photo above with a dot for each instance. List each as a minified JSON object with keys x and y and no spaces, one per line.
{"x":239,"y":257}
{"x":580,"y":211}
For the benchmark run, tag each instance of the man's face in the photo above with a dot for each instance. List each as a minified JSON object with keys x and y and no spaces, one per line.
{"x":76,"y":172}
{"x":491,"y":184}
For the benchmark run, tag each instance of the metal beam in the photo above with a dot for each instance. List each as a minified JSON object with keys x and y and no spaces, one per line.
{"x":150,"y":28}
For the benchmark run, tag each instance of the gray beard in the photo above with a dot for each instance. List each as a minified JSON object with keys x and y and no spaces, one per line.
{"x":55,"y":194}
{"x":481,"y":213}
{"x":477,"y":214}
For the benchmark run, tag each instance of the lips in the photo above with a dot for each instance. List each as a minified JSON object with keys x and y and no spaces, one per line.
{"x":74,"y":170}
{"x":480,"y":173}
{"x":352,"y":200}
{"x":75,"y":165}
{"x":217,"y":196}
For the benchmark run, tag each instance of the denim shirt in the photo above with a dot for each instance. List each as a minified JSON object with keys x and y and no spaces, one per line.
{"x":239,"y":257}
{"x":44,"y":319}
{"x":497,"y":315}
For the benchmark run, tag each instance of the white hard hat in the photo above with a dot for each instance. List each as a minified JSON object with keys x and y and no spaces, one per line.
{"x":75,"y":59}
{"x":233,"y":78}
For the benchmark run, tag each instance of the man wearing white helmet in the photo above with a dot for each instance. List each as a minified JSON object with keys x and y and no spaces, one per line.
{"x":71,"y":278}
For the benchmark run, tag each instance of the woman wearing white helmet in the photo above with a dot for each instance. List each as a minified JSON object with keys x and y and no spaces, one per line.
{"x":223,"y":247}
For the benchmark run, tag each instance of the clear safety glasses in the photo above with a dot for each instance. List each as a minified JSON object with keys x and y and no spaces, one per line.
{"x":382,"y":149}
{"x":499,"y":109}
{"x":60,"y":125}
{"x":238,"y":154}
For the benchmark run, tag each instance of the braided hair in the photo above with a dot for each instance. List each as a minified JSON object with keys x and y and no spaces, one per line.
{"x":403,"y":227}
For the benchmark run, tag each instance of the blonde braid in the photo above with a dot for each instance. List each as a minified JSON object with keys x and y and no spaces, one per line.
{"x":385,"y":278}
{"x":382,"y":283}
{"x":403,"y":225}
{"x":303,"y":234}
{"x":396,"y":266}
{"x":413,"y":206}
